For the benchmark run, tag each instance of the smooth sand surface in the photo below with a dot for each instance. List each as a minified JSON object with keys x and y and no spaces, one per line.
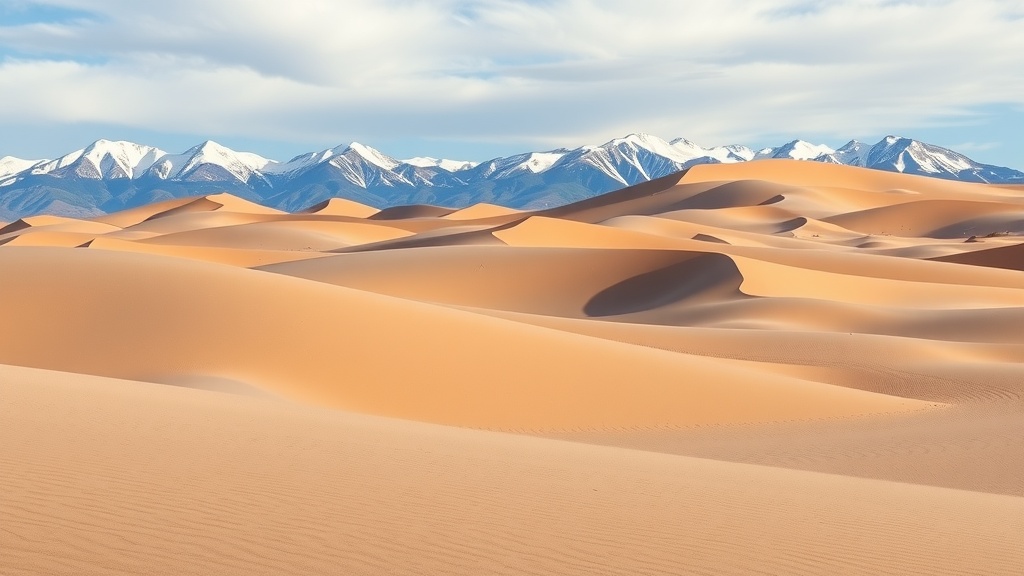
{"x":481,"y":210}
{"x":115,"y":477}
{"x":775,"y":367}
{"x":342,"y":207}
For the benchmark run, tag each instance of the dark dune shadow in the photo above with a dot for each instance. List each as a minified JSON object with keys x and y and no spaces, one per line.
{"x":411,"y":211}
{"x":644,"y":199}
{"x":15,"y":226}
{"x":437,"y":237}
{"x":737,"y":194}
{"x":709,"y":238}
{"x":790,"y":225}
{"x":700,"y":278}
{"x":1009,"y":223}
{"x":199,"y":204}
{"x":1006,"y":257}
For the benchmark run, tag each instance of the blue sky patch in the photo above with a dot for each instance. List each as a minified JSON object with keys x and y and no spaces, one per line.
{"x":23,"y":13}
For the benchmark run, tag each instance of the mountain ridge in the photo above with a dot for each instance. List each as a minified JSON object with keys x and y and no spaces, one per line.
{"x":112,"y":175}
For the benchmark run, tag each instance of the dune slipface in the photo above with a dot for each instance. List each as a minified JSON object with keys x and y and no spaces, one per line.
{"x":773,"y":367}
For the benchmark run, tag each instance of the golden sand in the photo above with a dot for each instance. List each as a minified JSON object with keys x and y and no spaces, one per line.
{"x":775,"y":367}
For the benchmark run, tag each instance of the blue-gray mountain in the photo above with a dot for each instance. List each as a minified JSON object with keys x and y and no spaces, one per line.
{"x":109,"y":176}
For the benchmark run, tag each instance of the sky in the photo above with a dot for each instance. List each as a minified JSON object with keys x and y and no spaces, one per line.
{"x":476,"y":79}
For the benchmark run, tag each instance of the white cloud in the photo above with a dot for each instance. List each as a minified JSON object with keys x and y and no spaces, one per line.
{"x":541,"y":72}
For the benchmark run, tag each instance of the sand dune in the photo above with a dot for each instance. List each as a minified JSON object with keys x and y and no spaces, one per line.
{"x":244,"y":257}
{"x":53,"y":224}
{"x":933,"y":218}
{"x":774,"y":367}
{"x":559,"y":282}
{"x":133,"y":216}
{"x":195,"y":331}
{"x":200,"y":481}
{"x":342,"y":207}
{"x":290,"y":234}
{"x":418,"y":211}
{"x":1008,"y":257}
{"x":481,"y":211}
{"x":42,"y":221}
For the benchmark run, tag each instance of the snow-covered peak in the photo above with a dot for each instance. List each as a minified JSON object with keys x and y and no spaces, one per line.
{"x":737,"y":152}
{"x":58,"y":163}
{"x":538,"y":162}
{"x":651,"y":144}
{"x":797,"y":150}
{"x":214,"y":153}
{"x":853,"y":153}
{"x":684,"y":146}
{"x":512,"y":166}
{"x":631,"y":158}
{"x":9,"y":165}
{"x":302,"y":161}
{"x":449,"y":165}
{"x":356,"y":150}
{"x":911,"y":156}
{"x":241,"y":165}
{"x":901,"y":153}
{"x":642,"y":139}
{"x":120,"y":158}
{"x":374,"y":156}
{"x":104,"y":159}
{"x":725,"y":154}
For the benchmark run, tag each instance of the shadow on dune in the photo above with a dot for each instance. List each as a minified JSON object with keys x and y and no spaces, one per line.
{"x":709,"y":238}
{"x":411,"y":211}
{"x":733,"y":195}
{"x":15,"y":226}
{"x":944,"y":219}
{"x":435,"y":238}
{"x":643,"y":198}
{"x":667,"y":194}
{"x":201,"y":204}
{"x":1008,"y":223}
{"x":790,"y":225}
{"x":701,"y":278}
{"x":1006,"y":257}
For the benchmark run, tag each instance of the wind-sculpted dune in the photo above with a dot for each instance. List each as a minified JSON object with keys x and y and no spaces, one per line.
{"x":773,"y":367}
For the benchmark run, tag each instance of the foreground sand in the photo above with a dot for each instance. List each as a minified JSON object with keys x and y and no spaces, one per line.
{"x":140,"y":478}
{"x":774,"y":367}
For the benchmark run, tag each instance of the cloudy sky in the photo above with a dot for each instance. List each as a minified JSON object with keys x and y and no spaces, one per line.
{"x":473,"y":79}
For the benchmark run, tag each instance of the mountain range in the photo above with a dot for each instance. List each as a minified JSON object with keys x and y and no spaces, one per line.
{"x":108,"y":175}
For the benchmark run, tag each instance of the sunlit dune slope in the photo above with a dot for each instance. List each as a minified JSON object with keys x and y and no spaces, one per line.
{"x":120,"y":477}
{"x":183,"y":318}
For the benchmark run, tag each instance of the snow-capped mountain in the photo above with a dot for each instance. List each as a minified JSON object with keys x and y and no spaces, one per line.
{"x":897,"y":154}
{"x":854,"y":153}
{"x":9,"y":166}
{"x":449,"y":165}
{"x":107,"y":176}
{"x":795,"y":150}
{"x":102,"y":160}
{"x":723,"y":154}
{"x":208,"y":162}
{"x":109,"y":160}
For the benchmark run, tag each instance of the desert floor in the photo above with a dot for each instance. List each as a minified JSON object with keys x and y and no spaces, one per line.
{"x":773,"y":367}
